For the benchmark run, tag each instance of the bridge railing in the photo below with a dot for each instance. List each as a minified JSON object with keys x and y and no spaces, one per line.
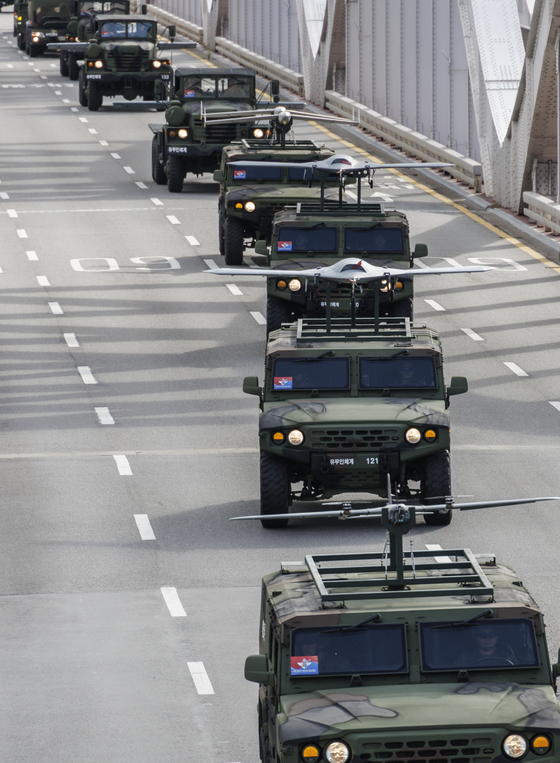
{"x":543,"y":211}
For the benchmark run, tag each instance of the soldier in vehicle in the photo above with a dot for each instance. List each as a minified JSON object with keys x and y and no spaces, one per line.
{"x":487,"y":649}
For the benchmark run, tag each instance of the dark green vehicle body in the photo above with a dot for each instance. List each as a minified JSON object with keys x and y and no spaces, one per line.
{"x":123,"y":59}
{"x":311,"y":234}
{"x":185,"y":143}
{"x":20,"y":20}
{"x":407,"y":685}
{"x":46,"y":23}
{"x":340,"y":411}
{"x":82,"y":26}
{"x":251,"y":195}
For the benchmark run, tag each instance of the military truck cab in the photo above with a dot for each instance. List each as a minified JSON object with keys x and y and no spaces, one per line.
{"x":315,"y":234}
{"x":186,"y":143}
{"x":46,"y":23}
{"x":346,"y":404}
{"x":356,"y":666}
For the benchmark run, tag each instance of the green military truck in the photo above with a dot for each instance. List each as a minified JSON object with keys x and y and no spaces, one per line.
{"x":20,"y":20}
{"x":123,"y":58}
{"x":82,"y":26}
{"x":445,"y":659}
{"x":322,"y":234}
{"x":46,"y":23}
{"x":347,"y":403}
{"x":185,"y":143}
{"x":252,"y":193}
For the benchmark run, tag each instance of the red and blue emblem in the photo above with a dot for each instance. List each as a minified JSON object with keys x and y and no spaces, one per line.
{"x":282,"y":382}
{"x":304,"y":666}
{"x":284,"y":246}
{"x":239,"y":174}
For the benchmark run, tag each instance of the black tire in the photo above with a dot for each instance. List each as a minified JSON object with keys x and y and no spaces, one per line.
{"x":233,"y":241}
{"x":21,"y":41}
{"x":175,"y":174}
{"x":437,"y":484}
{"x":73,"y":68}
{"x":82,"y":91}
{"x":63,"y":64}
{"x":402,"y":309}
{"x":278,"y":311}
{"x":94,"y":95}
{"x":275,"y":490}
{"x":221,"y":233}
{"x":158,"y":173}
{"x":33,"y":51}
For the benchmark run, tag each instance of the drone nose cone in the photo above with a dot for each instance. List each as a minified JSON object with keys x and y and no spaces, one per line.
{"x":284,"y":118}
{"x":342,"y":159}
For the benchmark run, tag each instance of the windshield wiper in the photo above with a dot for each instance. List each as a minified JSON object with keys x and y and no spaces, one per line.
{"x":313,"y":360}
{"x":471,"y":621}
{"x":390,"y":357}
{"x":364,"y":230}
{"x":373,"y":618}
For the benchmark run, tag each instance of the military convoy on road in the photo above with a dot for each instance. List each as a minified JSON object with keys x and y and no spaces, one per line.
{"x":46,"y":23}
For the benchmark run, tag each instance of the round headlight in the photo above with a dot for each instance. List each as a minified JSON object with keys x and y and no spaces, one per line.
{"x":98,"y":64}
{"x":250,"y":206}
{"x":337,"y":752}
{"x":413,"y":436}
{"x":258,"y":133}
{"x":294,"y":284}
{"x":156,"y":64}
{"x":183,"y":133}
{"x":430,"y":435}
{"x":385,"y":286}
{"x":295,"y":437}
{"x":540,"y":744}
{"x":515,"y":746}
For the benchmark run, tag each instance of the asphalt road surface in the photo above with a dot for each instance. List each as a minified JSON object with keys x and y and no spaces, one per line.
{"x":128,"y":600}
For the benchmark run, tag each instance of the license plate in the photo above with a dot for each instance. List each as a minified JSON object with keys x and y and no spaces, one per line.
{"x":358,"y":461}
{"x":177,"y":149}
{"x":165,"y":76}
{"x":94,"y":76}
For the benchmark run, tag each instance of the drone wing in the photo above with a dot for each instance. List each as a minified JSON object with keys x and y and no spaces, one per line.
{"x":347,"y":167}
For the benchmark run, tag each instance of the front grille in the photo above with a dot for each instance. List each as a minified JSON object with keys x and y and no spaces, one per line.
{"x":339,"y":293}
{"x":218,"y":133}
{"x":458,"y":750}
{"x":129,"y":62}
{"x":348,"y":440}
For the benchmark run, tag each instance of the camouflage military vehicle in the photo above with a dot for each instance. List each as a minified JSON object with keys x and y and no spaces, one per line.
{"x":20,"y":20}
{"x":185,"y":143}
{"x":344,"y":406}
{"x":46,"y":23}
{"x":123,"y":59}
{"x":312,"y":234}
{"x":251,"y":194}
{"x":445,"y":660}
{"x":82,"y":26}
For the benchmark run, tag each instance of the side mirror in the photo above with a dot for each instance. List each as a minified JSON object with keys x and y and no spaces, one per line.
{"x":458,"y":386}
{"x":144,"y":10}
{"x":261,"y":247}
{"x":251,"y":386}
{"x":72,"y":28}
{"x":256,"y":669}
{"x":172,"y":31}
{"x":218,"y":176}
{"x":275,"y":87}
{"x":420,"y":250}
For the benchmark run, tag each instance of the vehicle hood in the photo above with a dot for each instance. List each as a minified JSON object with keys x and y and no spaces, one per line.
{"x":423,"y":706}
{"x":405,"y":410}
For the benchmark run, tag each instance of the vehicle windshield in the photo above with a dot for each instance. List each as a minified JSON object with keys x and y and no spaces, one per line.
{"x":398,"y":373}
{"x":130,"y":29}
{"x":246,"y":172}
{"x":480,"y":645}
{"x":367,"y":649}
{"x":310,"y":373}
{"x":217,"y":87}
{"x":373,"y":239}
{"x":319,"y":239}
{"x":97,"y":7}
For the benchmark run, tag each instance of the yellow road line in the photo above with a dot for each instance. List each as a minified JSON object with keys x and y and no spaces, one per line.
{"x":510,"y":239}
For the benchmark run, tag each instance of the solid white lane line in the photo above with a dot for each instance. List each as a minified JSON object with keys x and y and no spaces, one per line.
{"x":104,"y":416}
{"x":32,"y":255}
{"x":210,"y":264}
{"x":157,"y":202}
{"x":86,"y":374}
{"x":129,"y":170}
{"x":43,"y":281}
{"x":516,"y":369}
{"x":434,"y":304}
{"x":4,"y":195}
{"x":192,"y":241}
{"x":12,"y":213}
{"x":116,"y":156}
{"x":56,"y":308}
{"x":123,"y":466}
{"x":71,"y":340}
{"x":21,"y":233}
{"x":171,"y":598}
{"x":437,"y":547}
{"x":260,"y":319}
{"x":234,"y":289}
{"x":473,"y":335}
{"x":144,"y":527}
{"x":173,"y":220}
{"x":200,"y":678}
{"x":141,"y":185}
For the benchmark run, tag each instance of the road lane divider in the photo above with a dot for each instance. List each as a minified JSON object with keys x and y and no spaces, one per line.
{"x":31,"y":255}
{"x":104,"y":416}
{"x":171,"y":598}
{"x":55,"y":308}
{"x":144,"y":527}
{"x":473,"y":335}
{"x":235,"y":290}
{"x":43,"y":281}
{"x":200,"y":678}
{"x":436,"y":306}
{"x":122,"y":465}
{"x":71,"y":340}
{"x":192,"y":241}
{"x":86,"y":374}
{"x":259,"y":317}
{"x":516,"y":369}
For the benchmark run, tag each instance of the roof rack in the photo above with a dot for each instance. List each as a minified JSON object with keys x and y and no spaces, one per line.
{"x":356,"y":329}
{"x":328,"y":207}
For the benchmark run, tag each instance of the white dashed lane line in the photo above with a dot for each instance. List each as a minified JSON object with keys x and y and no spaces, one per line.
{"x":173,"y":220}
{"x":71,"y":340}
{"x":259,"y":317}
{"x":435,"y":305}
{"x":104,"y":416}
{"x":192,"y":241}
{"x":22,"y":233}
{"x":473,"y":335}
{"x":4,"y":195}
{"x":555,"y":404}
{"x":234,"y":289}
{"x":140,"y":184}
{"x":87,"y":376}
{"x":116,"y":156}
{"x":210,"y":264}
{"x":103,"y":143}
{"x":56,"y":308}
{"x":32,"y":255}
{"x":200,"y":678}
{"x":83,"y":119}
{"x":157,"y":202}
{"x":43,"y":281}
{"x":171,"y":598}
{"x":437,"y":547}
{"x":12,"y":213}
{"x":93,"y":131}
{"x":74,"y":108}
{"x":129,"y":170}
{"x":516,"y":369}
{"x":144,"y":527}
{"x":123,"y":466}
